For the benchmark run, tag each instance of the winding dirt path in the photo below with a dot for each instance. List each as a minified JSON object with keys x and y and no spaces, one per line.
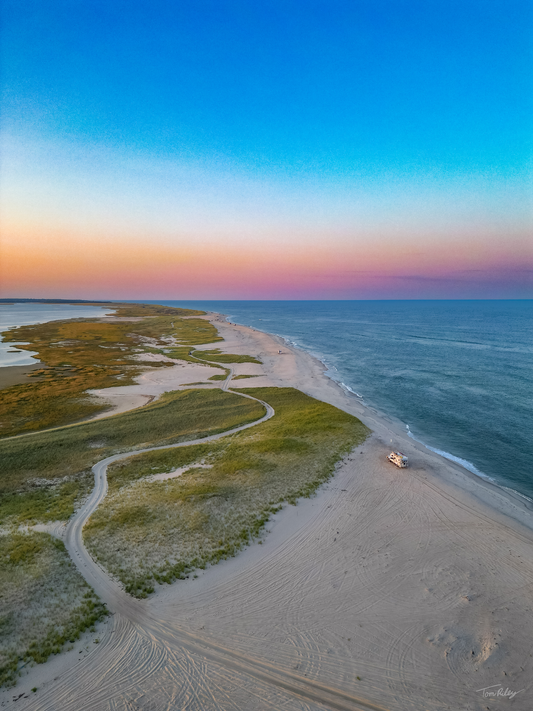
{"x":92,"y":572}
{"x":138,"y":626}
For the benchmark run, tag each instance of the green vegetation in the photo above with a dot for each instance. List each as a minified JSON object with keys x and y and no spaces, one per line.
{"x":44,"y":474}
{"x":148,"y":531}
{"x":241,"y":377}
{"x":44,"y":601}
{"x":45,"y":501}
{"x":188,"y":331}
{"x":82,"y":354}
{"x":217,"y":357}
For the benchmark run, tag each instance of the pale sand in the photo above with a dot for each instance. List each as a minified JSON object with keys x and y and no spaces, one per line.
{"x":163,"y":476}
{"x":150,"y":385}
{"x":418,"y":581}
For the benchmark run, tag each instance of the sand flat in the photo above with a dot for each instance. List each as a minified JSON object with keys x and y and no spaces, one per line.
{"x":418,"y":581}
{"x":150,"y":385}
{"x":17,"y":374}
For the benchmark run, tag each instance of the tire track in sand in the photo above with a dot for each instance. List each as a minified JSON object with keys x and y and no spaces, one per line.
{"x":175,"y":639}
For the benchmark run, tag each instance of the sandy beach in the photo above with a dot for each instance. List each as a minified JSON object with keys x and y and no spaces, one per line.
{"x":391,"y":589}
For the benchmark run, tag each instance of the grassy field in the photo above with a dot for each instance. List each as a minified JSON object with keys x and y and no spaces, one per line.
{"x":45,"y":474}
{"x":45,"y":603}
{"x":146,"y":531}
{"x":157,"y":531}
{"x":216,"y":356}
{"x":82,"y":354}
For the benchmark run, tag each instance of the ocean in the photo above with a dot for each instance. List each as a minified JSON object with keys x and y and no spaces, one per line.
{"x":457,"y":374}
{"x":26,"y":313}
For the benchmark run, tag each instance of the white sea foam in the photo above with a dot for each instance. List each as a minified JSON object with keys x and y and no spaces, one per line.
{"x":328,"y":366}
{"x":463,"y":462}
{"x":349,"y":389}
{"x":513,"y":491}
{"x":470,"y":467}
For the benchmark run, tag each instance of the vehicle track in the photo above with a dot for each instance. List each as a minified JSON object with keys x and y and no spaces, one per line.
{"x":169,"y":635}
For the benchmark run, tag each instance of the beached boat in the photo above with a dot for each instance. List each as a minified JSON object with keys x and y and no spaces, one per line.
{"x":398,"y":458}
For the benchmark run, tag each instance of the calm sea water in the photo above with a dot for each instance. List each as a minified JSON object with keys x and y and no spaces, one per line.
{"x":24,"y":313}
{"x":457,"y":373}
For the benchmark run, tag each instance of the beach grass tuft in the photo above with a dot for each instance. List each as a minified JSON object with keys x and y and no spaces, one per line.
{"x":58,"y":605}
{"x":216,"y":356}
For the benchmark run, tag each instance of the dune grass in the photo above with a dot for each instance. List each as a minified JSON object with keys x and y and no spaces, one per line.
{"x":192,"y":331}
{"x":45,"y":501}
{"x":44,"y":602}
{"x":45,"y":474}
{"x":82,"y":354}
{"x":216,"y":356}
{"x":157,"y":531}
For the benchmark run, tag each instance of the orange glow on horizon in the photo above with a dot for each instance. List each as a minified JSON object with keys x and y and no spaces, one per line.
{"x":57,"y":263}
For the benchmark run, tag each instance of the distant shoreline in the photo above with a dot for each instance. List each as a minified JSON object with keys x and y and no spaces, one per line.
{"x":52,"y":301}
{"x":14,"y":314}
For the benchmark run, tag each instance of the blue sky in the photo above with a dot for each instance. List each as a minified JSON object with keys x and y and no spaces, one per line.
{"x":212,"y":117}
{"x":281,"y":85}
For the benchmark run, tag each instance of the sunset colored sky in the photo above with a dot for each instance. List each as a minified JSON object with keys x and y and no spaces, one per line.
{"x":236,"y":150}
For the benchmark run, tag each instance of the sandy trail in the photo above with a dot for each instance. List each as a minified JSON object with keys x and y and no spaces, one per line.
{"x":168,"y":634}
{"x":408,"y":588}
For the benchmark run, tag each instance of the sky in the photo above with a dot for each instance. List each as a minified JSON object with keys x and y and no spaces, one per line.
{"x":364,"y":149}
